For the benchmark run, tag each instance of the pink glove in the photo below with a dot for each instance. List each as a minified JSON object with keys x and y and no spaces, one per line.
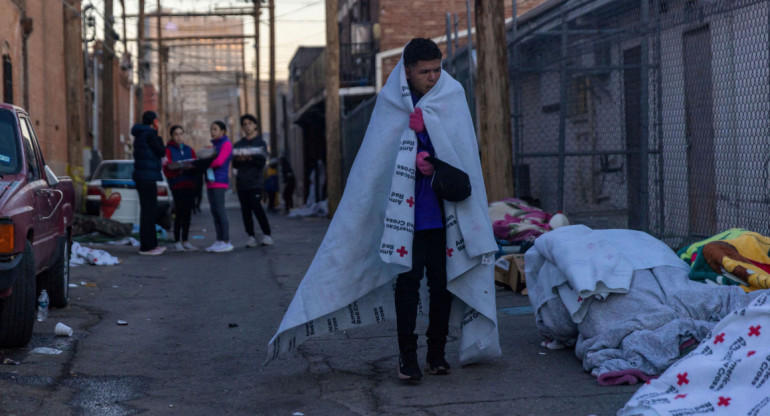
{"x":426,"y":168}
{"x":415,"y":121}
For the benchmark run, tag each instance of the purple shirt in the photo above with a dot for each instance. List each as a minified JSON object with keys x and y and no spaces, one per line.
{"x":427,"y":207}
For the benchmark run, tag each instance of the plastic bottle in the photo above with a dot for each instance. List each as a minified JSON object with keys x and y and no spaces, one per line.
{"x":558,"y":220}
{"x":42,"y":306}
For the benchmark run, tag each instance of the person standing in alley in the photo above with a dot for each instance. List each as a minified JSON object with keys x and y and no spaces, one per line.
{"x":217,"y":182}
{"x":182,"y":183}
{"x":148,"y":152}
{"x":250,"y":156}
{"x":289,"y":183}
{"x":414,"y":207}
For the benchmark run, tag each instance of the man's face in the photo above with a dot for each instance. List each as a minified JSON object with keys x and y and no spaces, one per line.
{"x":248,"y":126}
{"x":424,"y":75}
{"x":156,"y":124}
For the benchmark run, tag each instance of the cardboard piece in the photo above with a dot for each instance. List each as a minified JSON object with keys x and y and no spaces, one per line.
{"x":509,"y":271}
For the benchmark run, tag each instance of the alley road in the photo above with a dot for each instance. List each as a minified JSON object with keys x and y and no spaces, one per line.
{"x":196,"y":335}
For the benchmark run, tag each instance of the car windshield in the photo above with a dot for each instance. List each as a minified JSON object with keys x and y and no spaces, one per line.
{"x":9,"y":153}
{"x":114,"y":171}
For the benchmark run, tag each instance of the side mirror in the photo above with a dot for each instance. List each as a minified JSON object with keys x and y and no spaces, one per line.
{"x":50,"y":177}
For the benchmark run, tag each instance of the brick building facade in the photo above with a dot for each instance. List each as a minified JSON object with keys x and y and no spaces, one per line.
{"x":43,"y":96}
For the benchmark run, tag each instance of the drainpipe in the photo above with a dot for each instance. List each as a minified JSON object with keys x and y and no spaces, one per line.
{"x":26,"y":27}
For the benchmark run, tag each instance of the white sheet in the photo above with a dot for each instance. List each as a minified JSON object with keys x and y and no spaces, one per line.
{"x":350,"y":281}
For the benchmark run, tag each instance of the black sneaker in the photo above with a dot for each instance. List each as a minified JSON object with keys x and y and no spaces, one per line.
{"x":408,"y":369}
{"x":438,"y":367}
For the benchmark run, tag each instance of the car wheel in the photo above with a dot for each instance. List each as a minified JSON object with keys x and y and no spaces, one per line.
{"x":57,"y":279}
{"x":17,"y":312}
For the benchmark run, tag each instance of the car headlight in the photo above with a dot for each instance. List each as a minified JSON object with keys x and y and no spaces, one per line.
{"x":6,"y":236}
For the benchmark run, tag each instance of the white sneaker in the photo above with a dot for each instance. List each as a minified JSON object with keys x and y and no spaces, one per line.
{"x":224,"y":247}
{"x":189,"y":246}
{"x":157,"y":251}
{"x":178,"y":246}
{"x":266,"y":240}
{"x":214,"y":246}
{"x":251,"y":242}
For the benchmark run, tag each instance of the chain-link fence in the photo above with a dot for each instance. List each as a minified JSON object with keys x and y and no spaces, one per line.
{"x":650,"y":115}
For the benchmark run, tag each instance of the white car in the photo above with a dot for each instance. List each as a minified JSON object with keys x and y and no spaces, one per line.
{"x":111,"y":193}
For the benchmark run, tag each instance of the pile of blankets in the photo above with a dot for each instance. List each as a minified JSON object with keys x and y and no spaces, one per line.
{"x":733,"y":257}
{"x":513,"y":220}
{"x":623,"y":299}
{"x":727,"y":374}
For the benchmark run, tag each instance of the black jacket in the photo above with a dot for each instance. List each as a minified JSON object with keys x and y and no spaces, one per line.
{"x":249,"y":174}
{"x":148,"y":152}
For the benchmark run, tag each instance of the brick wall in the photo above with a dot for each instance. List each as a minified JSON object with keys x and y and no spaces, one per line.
{"x":402,"y":20}
{"x":11,"y":45}
{"x":47,"y":95}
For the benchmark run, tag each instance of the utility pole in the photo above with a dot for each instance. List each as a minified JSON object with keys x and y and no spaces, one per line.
{"x":273,"y":126}
{"x":257,"y":104}
{"x":333,"y":146}
{"x":73,"y":74}
{"x":492,"y":87}
{"x":159,"y":93}
{"x":245,"y":79}
{"x":108,"y":84}
{"x":123,"y":16}
{"x":140,"y":65}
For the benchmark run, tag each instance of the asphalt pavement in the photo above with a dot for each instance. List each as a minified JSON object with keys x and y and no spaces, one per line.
{"x":195,"y":339}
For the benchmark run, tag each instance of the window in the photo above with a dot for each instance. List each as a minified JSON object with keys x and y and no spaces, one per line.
{"x":30,"y":152}
{"x":7,"y":80}
{"x":9,"y":154}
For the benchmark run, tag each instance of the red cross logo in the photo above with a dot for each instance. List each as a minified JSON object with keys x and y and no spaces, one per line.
{"x":580,"y":298}
{"x":724,"y":401}
{"x":402,"y":251}
{"x":449,"y":251}
{"x":648,"y":382}
{"x":682,"y":379}
{"x":754,"y":330}
{"x":410,"y":201}
{"x":719,"y":338}
{"x":680,"y":396}
{"x":751,"y":353}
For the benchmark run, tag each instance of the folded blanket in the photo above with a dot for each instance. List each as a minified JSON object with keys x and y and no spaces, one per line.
{"x":350,"y":281}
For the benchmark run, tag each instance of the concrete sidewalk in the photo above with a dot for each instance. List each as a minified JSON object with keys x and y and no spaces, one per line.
{"x":354,"y":372}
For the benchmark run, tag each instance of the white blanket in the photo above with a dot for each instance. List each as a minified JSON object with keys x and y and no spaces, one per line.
{"x":351,"y":280}
{"x":576,"y":262}
{"x":728,"y":374}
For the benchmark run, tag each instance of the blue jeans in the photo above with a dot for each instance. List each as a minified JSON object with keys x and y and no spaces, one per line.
{"x":217,"y":203}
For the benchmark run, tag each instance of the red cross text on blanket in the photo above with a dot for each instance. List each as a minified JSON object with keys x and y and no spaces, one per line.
{"x":719,"y":338}
{"x":449,"y":251}
{"x":724,"y":401}
{"x":754,"y":330}
{"x":682,"y":379}
{"x":402,"y":251}
{"x":410,"y":201}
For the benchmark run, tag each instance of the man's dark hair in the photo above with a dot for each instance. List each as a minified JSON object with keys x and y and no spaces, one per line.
{"x":148,"y":117}
{"x":174,"y":128}
{"x":249,"y":117}
{"x":420,"y":49}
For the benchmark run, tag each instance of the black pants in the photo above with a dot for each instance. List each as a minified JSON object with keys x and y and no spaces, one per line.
{"x":251,"y":201}
{"x":428,"y":256}
{"x":184,"y":201}
{"x":148,"y":211}
{"x":217,"y":204}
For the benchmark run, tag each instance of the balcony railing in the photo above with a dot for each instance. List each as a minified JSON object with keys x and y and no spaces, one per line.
{"x":356,"y":70}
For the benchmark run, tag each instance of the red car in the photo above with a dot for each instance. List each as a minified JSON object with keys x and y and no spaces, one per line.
{"x":36,"y":217}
